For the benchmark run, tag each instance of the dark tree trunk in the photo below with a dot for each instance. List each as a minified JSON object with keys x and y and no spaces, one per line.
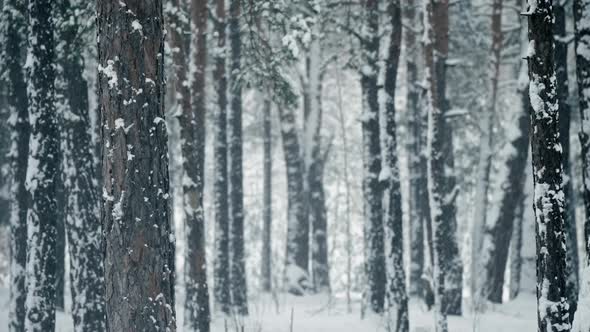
{"x":5,"y":139}
{"x":582,"y":45}
{"x":419,"y":212}
{"x":548,"y":200}
{"x":192,"y":121}
{"x":372,"y":190}
{"x":60,"y":240}
{"x":561,"y":71}
{"x":42,"y":173}
{"x":239,"y":290}
{"x":80,"y":190}
{"x":297,"y":251}
{"x":491,"y":288}
{"x":316,"y":198}
{"x":396,"y":291}
{"x":14,"y":31}
{"x":512,"y":198}
{"x":139,"y":244}
{"x":447,"y":266}
{"x":516,"y":246}
{"x":266,"y":266}
{"x":222,"y":222}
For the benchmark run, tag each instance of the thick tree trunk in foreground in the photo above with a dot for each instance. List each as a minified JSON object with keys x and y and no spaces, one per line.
{"x":81,"y":192}
{"x":14,"y":29}
{"x":372,"y":191}
{"x":561,"y":72}
{"x":221,"y":272}
{"x":394,"y":253}
{"x":42,"y":173}
{"x":139,"y":244}
{"x":266,"y":266}
{"x":548,"y":200}
{"x":192,"y":121}
{"x":239,"y":287}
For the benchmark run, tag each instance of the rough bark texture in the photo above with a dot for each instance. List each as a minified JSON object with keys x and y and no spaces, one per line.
{"x":372,"y":189}
{"x":13,"y":54}
{"x":419,"y":211}
{"x":42,"y":173}
{"x":192,"y":121}
{"x":135,"y":212}
{"x":561,"y":71}
{"x":80,"y":190}
{"x":548,"y":199}
{"x":266,"y":266}
{"x":221,"y":271}
{"x":447,"y":268}
{"x":442,"y":188}
{"x":396,"y":279}
{"x":239,"y":287}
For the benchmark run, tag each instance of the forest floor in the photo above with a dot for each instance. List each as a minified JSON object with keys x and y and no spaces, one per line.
{"x":320,"y":314}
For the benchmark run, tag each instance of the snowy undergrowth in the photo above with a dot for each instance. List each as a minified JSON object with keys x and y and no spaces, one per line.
{"x":320,"y":314}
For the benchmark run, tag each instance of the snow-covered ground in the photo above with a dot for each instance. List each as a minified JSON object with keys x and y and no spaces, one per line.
{"x":319,"y":314}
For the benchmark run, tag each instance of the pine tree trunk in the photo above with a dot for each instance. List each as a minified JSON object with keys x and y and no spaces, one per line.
{"x":42,"y":173}
{"x":516,"y":248}
{"x":447,"y":268}
{"x":222,"y":222}
{"x":582,"y":43}
{"x":60,"y":240}
{"x":561,"y":71}
{"x":396,"y":284}
{"x":80,"y":190}
{"x":372,"y":190}
{"x":139,"y":244}
{"x":315,"y":169}
{"x":266,"y":266}
{"x":239,"y":287}
{"x":14,"y":34}
{"x":488,"y":289}
{"x":548,"y":200}
{"x":192,"y":121}
{"x":418,"y":190}
{"x":297,"y":252}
